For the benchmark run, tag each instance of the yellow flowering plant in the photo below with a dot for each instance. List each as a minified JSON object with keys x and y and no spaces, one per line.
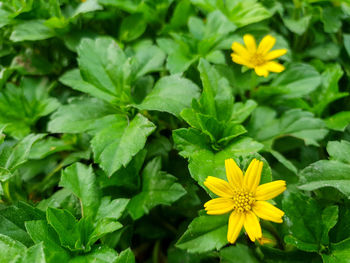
{"x":244,"y":198}
{"x":258,"y":58}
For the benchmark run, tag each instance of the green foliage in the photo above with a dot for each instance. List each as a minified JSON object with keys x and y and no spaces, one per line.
{"x":114,"y":112}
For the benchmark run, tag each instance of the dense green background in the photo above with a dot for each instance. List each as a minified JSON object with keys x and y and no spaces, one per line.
{"x":113,"y":113}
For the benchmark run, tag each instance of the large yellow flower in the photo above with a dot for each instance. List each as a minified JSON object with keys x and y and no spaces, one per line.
{"x":258,"y":58}
{"x":244,"y":198}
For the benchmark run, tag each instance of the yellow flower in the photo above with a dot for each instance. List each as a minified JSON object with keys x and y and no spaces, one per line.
{"x":244,"y":198}
{"x":258,"y":58}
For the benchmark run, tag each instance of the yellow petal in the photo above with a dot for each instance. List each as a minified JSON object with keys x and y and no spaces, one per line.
{"x":240,"y":50}
{"x":267,"y":211}
{"x":235,"y":224}
{"x":252,"y":175}
{"x":240,"y":60}
{"x":219,"y":206}
{"x":233,"y":173}
{"x":249,"y":41}
{"x":218,"y":186}
{"x":266,"y":44}
{"x":275,"y":54}
{"x":252,"y":226}
{"x":270,"y":190}
{"x":261,"y":71}
{"x":274,"y":66}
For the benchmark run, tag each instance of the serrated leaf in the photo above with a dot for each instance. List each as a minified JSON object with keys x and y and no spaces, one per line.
{"x":115,"y":145}
{"x":303,"y":218}
{"x":80,"y":179}
{"x":170,"y":94}
{"x":157,"y":188}
{"x":80,"y":115}
{"x":65,"y":225}
{"x":41,"y":231}
{"x":265,"y":127}
{"x":12,"y":157}
{"x":203,"y":163}
{"x":205,"y":233}
{"x":326,"y":174}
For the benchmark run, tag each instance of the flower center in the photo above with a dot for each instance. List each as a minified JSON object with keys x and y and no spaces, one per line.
{"x":257,"y":59}
{"x":243,"y":200}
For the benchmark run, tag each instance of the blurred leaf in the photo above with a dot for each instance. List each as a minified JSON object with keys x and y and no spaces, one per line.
{"x":157,"y":188}
{"x":31,"y":30}
{"x":126,"y":256}
{"x":21,"y":107}
{"x":12,"y":157}
{"x":132,"y":27}
{"x":10,"y":250}
{"x":265,"y":127}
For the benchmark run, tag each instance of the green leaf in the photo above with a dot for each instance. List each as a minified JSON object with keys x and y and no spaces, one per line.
{"x":99,"y":254}
{"x":238,"y":253}
{"x":104,"y":65}
{"x":149,"y":58}
{"x":157,"y":188}
{"x":41,"y":231}
{"x":339,"y":151}
{"x":132,"y":27}
{"x":245,"y":12}
{"x":12,"y":157}
{"x":296,"y":81}
{"x":115,"y":145}
{"x":329,"y":219}
{"x":297,"y":26}
{"x":10,"y":250}
{"x":338,"y":121}
{"x":80,"y":115}
{"x":73,"y":79}
{"x":304,"y":221}
{"x":126,"y":256}
{"x":331,"y":18}
{"x":12,"y":220}
{"x":326,"y":174}
{"x":216,"y":99}
{"x":31,"y":30}
{"x":339,"y":252}
{"x":34,"y":254}
{"x":80,"y":179}
{"x":189,"y":141}
{"x":112,"y":209}
{"x":203,"y":163}
{"x":65,"y":225}
{"x":265,"y":128}
{"x":205,"y":233}
{"x":21,"y":107}
{"x":103,"y":227}
{"x":170,"y":94}
{"x":329,"y":90}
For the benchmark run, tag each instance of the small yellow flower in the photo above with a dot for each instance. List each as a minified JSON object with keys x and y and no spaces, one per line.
{"x":244,"y":198}
{"x":258,"y":58}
